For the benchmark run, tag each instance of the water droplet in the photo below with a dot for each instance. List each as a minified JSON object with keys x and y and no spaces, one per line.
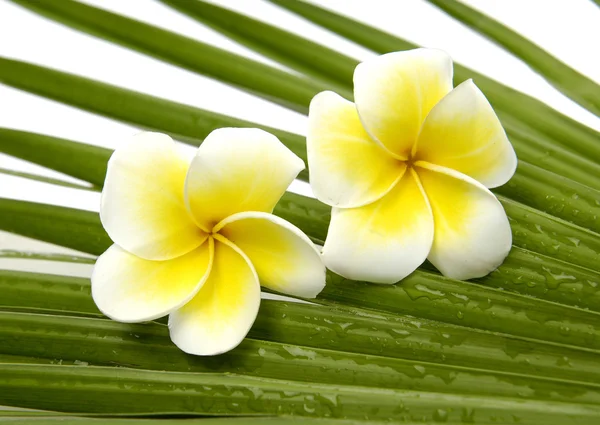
{"x":460,"y":314}
{"x":420,"y":369}
{"x":565,"y":330}
{"x":467,"y":416}
{"x":574,"y":241}
{"x":440,"y":415}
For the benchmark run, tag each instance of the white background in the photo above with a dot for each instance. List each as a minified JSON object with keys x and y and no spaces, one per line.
{"x":569,"y":29}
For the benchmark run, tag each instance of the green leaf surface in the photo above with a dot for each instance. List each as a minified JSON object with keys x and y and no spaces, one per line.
{"x":572,"y":83}
{"x":555,"y":195}
{"x":102,"y":342}
{"x":129,"y":391}
{"x":422,"y":294}
{"x":294,"y":51}
{"x":192,"y":125}
{"x":159,"y":43}
{"x":45,"y":419}
{"x":44,"y":179}
{"x":290,"y":90}
{"x":57,"y":154}
{"x":542,"y":119}
{"x":317,"y":60}
{"x":535,"y":231}
{"x":45,"y":256}
{"x":68,"y":227}
{"x":183,"y":122}
{"x":346,"y":329}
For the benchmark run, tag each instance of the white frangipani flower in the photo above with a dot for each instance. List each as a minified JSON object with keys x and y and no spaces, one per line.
{"x":193,"y":236}
{"x":407,"y":169}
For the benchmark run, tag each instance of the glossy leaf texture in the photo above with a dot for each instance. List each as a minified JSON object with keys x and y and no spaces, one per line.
{"x":300,"y":53}
{"x":273,"y":42}
{"x":287,"y":48}
{"x":19,"y":417}
{"x":528,"y":269}
{"x":539,"y":119}
{"x":573,"y":84}
{"x":185,"y":52}
{"x":57,"y":154}
{"x":423,"y":294}
{"x":44,"y":179}
{"x":102,"y":342}
{"x":330,"y":328}
{"x":532,"y":230}
{"x":123,"y":30}
{"x":128,"y":391}
{"x":568,"y":199}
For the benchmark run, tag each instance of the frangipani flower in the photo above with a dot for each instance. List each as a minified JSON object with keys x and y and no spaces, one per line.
{"x":406,"y":170}
{"x":193,"y":236}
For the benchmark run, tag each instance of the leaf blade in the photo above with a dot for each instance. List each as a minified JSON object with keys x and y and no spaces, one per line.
{"x":77,"y":389}
{"x":346,"y":329}
{"x":573,"y":84}
{"x":540,"y":118}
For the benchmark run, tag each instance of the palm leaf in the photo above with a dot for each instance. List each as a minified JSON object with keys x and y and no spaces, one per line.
{"x":507,"y":102}
{"x":122,"y":30}
{"x":199,"y":57}
{"x":341,"y":329}
{"x":520,"y":345}
{"x":423,"y":294}
{"x":192,"y":125}
{"x":573,"y":84}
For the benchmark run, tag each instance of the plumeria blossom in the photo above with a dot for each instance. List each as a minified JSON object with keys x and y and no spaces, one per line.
{"x":193,"y":236}
{"x":407,"y":170}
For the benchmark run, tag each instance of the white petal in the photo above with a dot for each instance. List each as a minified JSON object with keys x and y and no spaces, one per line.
{"x":238,"y":169}
{"x":347,"y":168}
{"x":143,"y":210}
{"x":472,"y":235}
{"x":395,"y":92}
{"x":127,"y":288}
{"x":218,"y":318}
{"x":463,"y":133}
{"x":284,"y":258}
{"x":384,"y":241}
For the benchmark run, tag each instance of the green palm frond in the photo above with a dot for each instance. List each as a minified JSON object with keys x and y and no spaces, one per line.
{"x":542,"y":119}
{"x":573,"y":84}
{"x":521,"y":345}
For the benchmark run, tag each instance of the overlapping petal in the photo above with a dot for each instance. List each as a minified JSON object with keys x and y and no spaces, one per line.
{"x":472,"y":232}
{"x":462,"y":132}
{"x":395,"y":92}
{"x":142,"y":202}
{"x":347,"y":168}
{"x":284,"y":258}
{"x":130,"y":289}
{"x":218,"y":318}
{"x":384,"y":241}
{"x":238,"y":169}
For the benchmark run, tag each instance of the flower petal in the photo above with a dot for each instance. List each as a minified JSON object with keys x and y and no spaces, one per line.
{"x":218,"y":318}
{"x":238,"y":169}
{"x":142,"y":202}
{"x":384,"y":241}
{"x":347,"y":168}
{"x":395,"y":92}
{"x":285,"y":259}
{"x":463,"y":133}
{"x":127,"y":288}
{"x":472,"y":235}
